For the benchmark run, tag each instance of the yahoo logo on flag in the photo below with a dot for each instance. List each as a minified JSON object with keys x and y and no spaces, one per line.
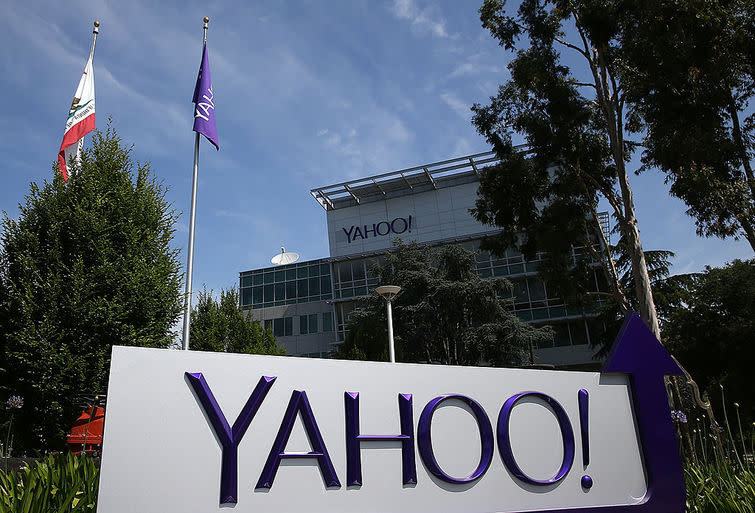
{"x":204,"y":102}
{"x":205,"y":106}
{"x":230,"y":436}
{"x":398,"y":226}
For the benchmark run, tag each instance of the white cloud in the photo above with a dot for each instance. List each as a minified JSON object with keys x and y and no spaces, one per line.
{"x":425,"y":20}
{"x":404,"y":8}
{"x":457,"y":105}
{"x":473,"y":66}
{"x":375,"y":145}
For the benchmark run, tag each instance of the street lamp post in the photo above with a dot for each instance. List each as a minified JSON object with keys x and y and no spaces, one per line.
{"x":388,"y":292}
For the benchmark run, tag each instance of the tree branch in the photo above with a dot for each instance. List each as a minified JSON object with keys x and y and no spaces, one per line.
{"x":573,"y":47}
{"x":584,"y":84}
{"x":586,"y":52}
{"x":608,"y":194}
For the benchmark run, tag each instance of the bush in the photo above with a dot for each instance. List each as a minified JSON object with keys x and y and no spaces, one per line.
{"x":85,"y":266}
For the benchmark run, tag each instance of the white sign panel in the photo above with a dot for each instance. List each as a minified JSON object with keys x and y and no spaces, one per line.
{"x":190,"y":431}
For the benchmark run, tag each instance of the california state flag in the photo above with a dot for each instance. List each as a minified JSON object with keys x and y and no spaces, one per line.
{"x":80,"y":120}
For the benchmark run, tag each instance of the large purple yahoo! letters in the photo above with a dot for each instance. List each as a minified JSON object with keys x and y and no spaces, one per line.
{"x":636,"y":352}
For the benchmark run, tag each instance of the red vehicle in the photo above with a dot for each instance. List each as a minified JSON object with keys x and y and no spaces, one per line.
{"x":86,"y":433}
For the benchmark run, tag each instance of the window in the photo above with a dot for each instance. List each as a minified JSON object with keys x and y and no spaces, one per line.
{"x":290,"y":290}
{"x":344,"y":272}
{"x":308,"y":324}
{"x":514,"y":256}
{"x":358,"y":270}
{"x":278,"y":327}
{"x":282,"y":326}
{"x":313,"y":323}
{"x":327,"y":321}
{"x":280,"y":291}
{"x":303,"y":325}
{"x":314,"y":286}
{"x":288,"y":326}
{"x":537,"y":289}
{"x":578,"y":334}
{"x":269,"y":293}
{"x":520,"y":291}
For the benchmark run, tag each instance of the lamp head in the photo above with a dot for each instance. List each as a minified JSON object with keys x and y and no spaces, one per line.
{"x":388,"y":292}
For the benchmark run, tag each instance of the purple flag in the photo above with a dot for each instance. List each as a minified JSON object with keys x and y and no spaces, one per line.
{"x":204,"y":103}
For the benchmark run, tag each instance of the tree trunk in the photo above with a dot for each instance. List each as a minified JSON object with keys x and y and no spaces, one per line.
{"x":737,"y":133}
{"x":607,"y":95}
{"x":640,"y":274}
{"x":745,"y":218}
{"x":748,"y":231}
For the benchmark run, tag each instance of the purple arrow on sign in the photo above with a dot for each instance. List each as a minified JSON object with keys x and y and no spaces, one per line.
{"x":638,"y":352}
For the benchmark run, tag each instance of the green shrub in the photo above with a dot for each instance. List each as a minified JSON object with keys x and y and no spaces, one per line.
{"x":60,"y":483}
{"x":721,"y":487}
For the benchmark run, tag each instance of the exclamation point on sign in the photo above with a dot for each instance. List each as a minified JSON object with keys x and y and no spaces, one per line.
{"x":583,"y":424}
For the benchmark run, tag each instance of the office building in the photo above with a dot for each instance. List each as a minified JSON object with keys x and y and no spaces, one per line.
{"x":307,"y":303}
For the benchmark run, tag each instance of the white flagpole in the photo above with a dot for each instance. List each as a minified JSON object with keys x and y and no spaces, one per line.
{"x":190,"y":262}
{"x":94,"y":38}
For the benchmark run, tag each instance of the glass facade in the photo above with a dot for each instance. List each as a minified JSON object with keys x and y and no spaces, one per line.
{"x":308,"y":324}
{"x":354,"y":278}
{"x":530,"y":298}
{"x":574,"y":332}
{"x":302,"y":282}
{"x":345,"y":281}
{"x":282,"y":326}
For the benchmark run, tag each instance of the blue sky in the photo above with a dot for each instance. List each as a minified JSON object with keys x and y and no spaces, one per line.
{"x":307,"y":93}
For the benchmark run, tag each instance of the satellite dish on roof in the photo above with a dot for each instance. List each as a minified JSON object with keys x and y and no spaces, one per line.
{"x":284,"y":258}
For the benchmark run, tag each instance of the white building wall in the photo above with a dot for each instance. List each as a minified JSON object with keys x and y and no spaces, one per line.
{"x":432,"y":215}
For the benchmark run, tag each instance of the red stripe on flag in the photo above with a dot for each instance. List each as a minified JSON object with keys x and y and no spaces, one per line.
{"x":62,"y":166}
{"x":77,"y":131}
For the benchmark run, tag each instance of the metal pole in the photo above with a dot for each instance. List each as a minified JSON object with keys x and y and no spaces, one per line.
{"x":391,"y":351}
{"x":190,"y":257}
{"x":94,"y":38}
